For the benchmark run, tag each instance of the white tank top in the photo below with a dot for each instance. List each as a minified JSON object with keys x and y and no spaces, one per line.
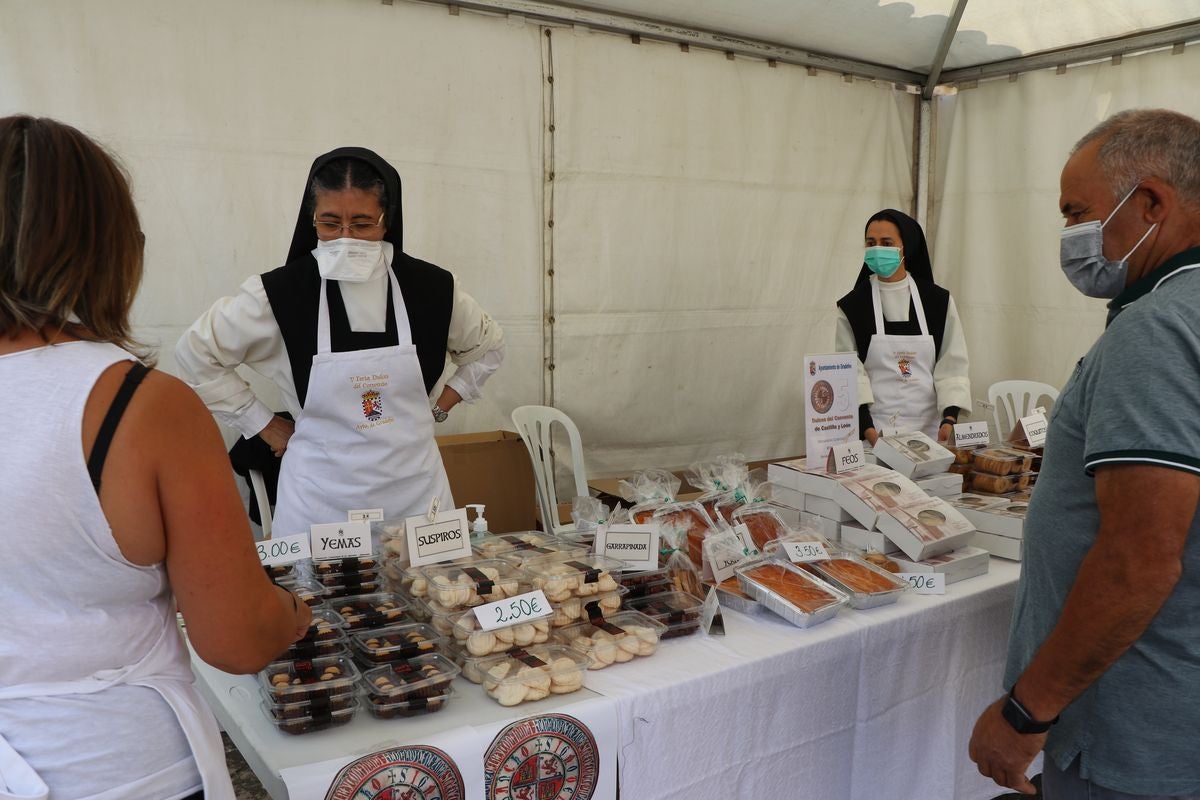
{"x":73,"y":606}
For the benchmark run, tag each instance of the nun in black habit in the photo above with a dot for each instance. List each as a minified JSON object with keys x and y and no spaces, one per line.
{"x":355,"y":334}
{"x":912,"y":354}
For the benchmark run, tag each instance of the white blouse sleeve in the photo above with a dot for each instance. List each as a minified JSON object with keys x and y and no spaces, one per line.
{"x":951,"y":373}
{"x":843,"y":342}
{"x":475,"y":344}
{"x":236,"y":330}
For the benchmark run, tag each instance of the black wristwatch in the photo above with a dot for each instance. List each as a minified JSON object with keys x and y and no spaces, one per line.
{"x":1020,"y":719}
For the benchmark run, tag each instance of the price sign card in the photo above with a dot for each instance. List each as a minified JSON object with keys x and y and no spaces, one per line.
{"x":522,"y":608}
{"x":845,"y":458}
{"x":636,"y":546}
{"x":724,"y":552}
{"x":972,"y":434}
{"x":284,"y":550}
{"x":800,"y":552}
{"x":1034,"y":427}
{"x":445,"y":538}
{"x":710,"y":615}
{"x":925,"y":582}
{"x":340,"y":539}
{"x":366,"y":515}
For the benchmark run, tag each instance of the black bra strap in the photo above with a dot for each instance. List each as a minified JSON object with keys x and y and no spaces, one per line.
{"x":109,"y":426}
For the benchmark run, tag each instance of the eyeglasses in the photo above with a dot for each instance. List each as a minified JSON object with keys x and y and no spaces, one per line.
{"x":354,"y":229}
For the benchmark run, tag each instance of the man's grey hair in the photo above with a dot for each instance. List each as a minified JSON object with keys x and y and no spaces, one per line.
{"x":1149,"y":143}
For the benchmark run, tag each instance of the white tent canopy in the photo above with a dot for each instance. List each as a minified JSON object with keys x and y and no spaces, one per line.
{"x":662,"y":231}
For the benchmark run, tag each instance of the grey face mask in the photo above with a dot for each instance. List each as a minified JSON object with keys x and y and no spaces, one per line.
{"x":1081,"y":255}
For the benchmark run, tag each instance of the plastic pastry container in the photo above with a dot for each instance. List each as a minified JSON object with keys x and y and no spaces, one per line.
{"x":963,"y":456}
{"x":678,"y":611}
{"x":865,"y":584}
{"x":764,"y":523}
{"x":641,"y":584}
{"x":396,"y":643}
{"x":532,"y":674}
{"x":316,"y":719}
{"x":328,"y":568}
{"x":1002,"y":461}
{"x":308,"y":679}
{"x":325,"y":637}
{"x":409,"y":688}
{"x":614,"y":639}
{"x":1001,"y":484}
{"x":342,"y":585}
{"x":458,"y":586}
{"x":573,"y":609}
{"x":477,"y":642}
{"x":522,"y":556}
{"x":575,"y":577}
{"x":307,"y":591}
{"x":492,"y":544}
{"x":799,"y":597}
{"x":279,"y":571}
{"x":366,"y":611}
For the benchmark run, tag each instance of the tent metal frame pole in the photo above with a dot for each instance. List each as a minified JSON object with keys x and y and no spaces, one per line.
{"x":939,"y":58}
{"x":1095,"y":51}
{"x":551,"y":12}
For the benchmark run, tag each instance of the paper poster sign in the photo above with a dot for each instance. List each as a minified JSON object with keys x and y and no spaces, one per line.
{"x":925,"y":582}
{"x":845,"y":458}
{"x":972,"y":434}
{"x":1032,"y":428}
{"x":636,"y":546}
{"x":513,"y":610}
{"x":830,"y":403}
{"x":284,"y":550}
{"x":340,"y":539}
{"x":801,"y":552}
{"x":445,"y":537}
{"x":366,"y":515}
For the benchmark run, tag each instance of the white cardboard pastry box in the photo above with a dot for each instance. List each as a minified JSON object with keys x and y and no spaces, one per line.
{"x":824,"y":507}
{"x":999,"y":546}
{"x":869,"y":491}
{"x":946,"y":484}
{"x":796,"y":475}
{"x":957,"y":565}
{"x":871,"y":541}
{"x":913,"y":455}
{"x":1001,"y":516}
{"x":783,"y":496}
{"x":924,"y":530}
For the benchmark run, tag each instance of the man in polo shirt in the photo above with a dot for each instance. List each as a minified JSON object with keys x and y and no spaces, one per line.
{"x":1104,"y":656}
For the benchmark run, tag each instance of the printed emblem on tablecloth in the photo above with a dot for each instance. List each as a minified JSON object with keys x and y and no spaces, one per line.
{"x":552,"y":757}
{"x":405,"y":773}
{"x":372,"y":405}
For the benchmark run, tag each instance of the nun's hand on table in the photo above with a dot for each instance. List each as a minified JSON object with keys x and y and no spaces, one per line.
{"x":872,"y":436}
{"x":277,"y":433}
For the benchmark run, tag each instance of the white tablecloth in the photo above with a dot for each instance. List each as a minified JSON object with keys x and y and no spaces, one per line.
{"x":870,"y":705}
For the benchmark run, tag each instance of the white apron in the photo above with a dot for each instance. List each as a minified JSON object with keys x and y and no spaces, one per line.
{"x":365,"y":436}
{"x":901,"y":372}
{"x":167,"y":670}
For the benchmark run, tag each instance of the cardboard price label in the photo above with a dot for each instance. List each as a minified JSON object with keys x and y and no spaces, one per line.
{"x":366,"y":515}
{"x":513,"y":610}
{"x":340,"y":539}
{"x":635,"y":546}
{"x":1034,"y":427}
{"x":925,"y":582}
{"x":710,"y":615}
{"x":725,"y":552}
{"x":972,"y":434}
{"x":801,"y":552}
{"x":437,"y":537}
{"x":284,"y":550}
{"x":845,"y":458}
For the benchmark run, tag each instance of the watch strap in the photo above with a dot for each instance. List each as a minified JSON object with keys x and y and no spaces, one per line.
{"x":1020,"y":719}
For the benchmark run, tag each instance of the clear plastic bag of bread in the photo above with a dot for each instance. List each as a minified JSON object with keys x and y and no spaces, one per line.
{"x":588,"y":513}
{"x":753,"y":487}
{"x":646,"y":491}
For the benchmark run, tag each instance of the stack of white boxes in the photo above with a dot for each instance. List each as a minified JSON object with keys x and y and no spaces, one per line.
{"x":882,"y":510}
{"x":1000,"y":522}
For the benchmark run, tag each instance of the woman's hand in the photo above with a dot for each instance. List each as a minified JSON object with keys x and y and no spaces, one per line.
{"x":277,"y":434}
{"x":872,"y":436}
{"x":945,"y":431}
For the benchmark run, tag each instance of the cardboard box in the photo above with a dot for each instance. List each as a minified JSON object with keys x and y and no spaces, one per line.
{"x":783,"y":496}
{"x":999,"y":546}
{"x":1001,"y":516}
{"x":957,"y":565}
{"x":831,"y":529}
{"x":926,"y":529}
{"x":826,"y":508}
{"x":868,"y":491}
{"x":946,"y":484}
{"x":913,"y":455}
{"x":796,"y":475}
{"x":871,"y":541}
{"x":492,"y":468}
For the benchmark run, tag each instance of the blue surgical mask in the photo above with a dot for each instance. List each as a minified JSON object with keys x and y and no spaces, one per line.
{"x":1081,"y":256}
{"x":883,"y":261}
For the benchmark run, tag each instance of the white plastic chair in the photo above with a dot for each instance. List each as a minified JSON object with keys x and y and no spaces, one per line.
{"x":533,"y":424}
{"x":264,"y":504}
{"x":1018,"y":398}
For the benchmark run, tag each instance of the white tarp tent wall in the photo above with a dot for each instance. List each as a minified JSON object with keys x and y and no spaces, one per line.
{"x":661,"y":233}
